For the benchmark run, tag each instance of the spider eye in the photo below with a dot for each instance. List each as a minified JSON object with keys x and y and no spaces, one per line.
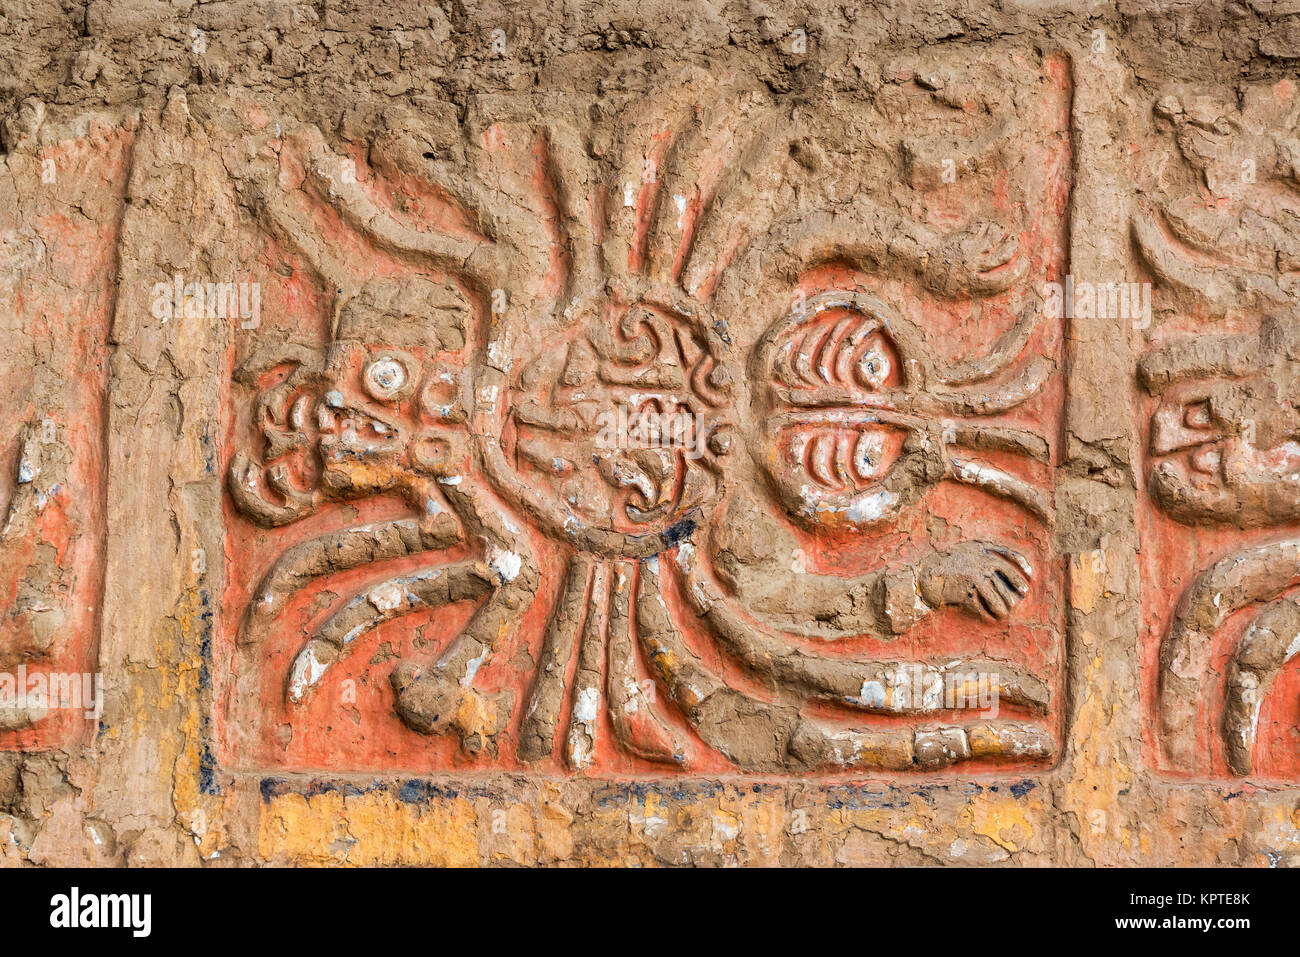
{"x":385,"y":378}
{"x":874,"y":366}
{"x":1197,"y":416}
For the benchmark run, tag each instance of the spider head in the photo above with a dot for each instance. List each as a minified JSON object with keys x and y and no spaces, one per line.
{"x":391,"y":390}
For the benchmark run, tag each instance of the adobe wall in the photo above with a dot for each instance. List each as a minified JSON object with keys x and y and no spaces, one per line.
{"x":635,"y":433}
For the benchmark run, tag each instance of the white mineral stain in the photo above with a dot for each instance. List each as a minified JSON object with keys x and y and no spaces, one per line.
{"x":472,"y":668}
{"x":585,"y":708}
{"x":386,"y":597}
{"x":505,"y":563}
{"x":307,"y":671}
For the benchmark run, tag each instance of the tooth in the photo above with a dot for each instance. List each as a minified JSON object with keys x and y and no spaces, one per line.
{"x":298,"y":414}
{"x":1207,"y":460}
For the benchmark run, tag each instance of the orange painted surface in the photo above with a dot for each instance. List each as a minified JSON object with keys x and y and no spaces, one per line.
{"x":257,"y":729}
{"x":65,"y":299}
{"x":1172,"y":556}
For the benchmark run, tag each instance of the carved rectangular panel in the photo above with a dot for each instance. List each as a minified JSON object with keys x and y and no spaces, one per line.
{"x":700,"y":436}
{"x":1215,"y":226}
{"x":649,"y":434}
{"x":58,"y":255}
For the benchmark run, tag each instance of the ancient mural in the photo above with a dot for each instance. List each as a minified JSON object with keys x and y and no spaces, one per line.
{"x":619,"y":462}
{"x":1214,"y":222}
{"x":724,"y":436}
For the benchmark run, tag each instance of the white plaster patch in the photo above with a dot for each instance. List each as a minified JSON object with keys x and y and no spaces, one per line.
{"x":505,"y":563}
{"x":872,"y":695}
{"x":633,"y":704}
{"x":584,"y":709}
{"x":472,"y":668}
{"x":386,"y":597}
{"x":871,"y":508}
{"x":499,"y":357}
{"x":307,"y":671}
{"x":725,"y":826}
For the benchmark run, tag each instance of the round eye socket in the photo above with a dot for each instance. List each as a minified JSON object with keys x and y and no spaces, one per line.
{"x":874,"y":366}
{"x":1197,"y":416}
{"x":384,"y":378}
{"x":869,"y":454}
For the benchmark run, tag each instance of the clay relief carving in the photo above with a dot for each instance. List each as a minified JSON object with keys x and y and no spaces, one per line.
{"x":26,"y":546}
{"x":654,"y":363}
{"x":1217,"y":229}
{"x":56,"y":299}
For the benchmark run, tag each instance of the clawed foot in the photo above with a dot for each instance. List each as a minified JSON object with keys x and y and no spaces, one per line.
{"x":982,"y":578}
{"x":980,"y":260}
{"x":432,"y":703}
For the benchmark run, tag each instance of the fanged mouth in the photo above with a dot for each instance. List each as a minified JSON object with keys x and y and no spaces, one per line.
{"x":348,"y":428}
{"x":1199,"y":467}
{"x":1222,"y":461}
{"x":1184,"y":439}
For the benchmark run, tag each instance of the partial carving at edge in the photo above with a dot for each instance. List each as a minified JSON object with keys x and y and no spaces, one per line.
{"x":1236,"y":581}
{"x":1272,"y":640}
{"x":39,"y":476}
{"x":1225,"y":432}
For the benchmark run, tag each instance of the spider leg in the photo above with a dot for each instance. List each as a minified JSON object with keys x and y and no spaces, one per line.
{"x":362,"y":213}
{"x":636,"y":724}
{"x":584,"y":722}
{"x":877,"y":686}
{"x":433,"y":699}
{"x":390,"y":599}
{"x":745,"y":201}
{"x":1219,"y":287}
{"x":1231,"y":584}
{"x":990,"y":400}
{"x":1003,"y":484}
{"x":758,"y":734}
{"x":751,"y":733}
{"x":335,"y":552}
{"x":702,"y":175}
{"x":546,"y":698}
{"x":925,"y":749}
{"x":1268,"y":644}
{"x":577,"y":207}
{"x":865,"y":234}
{"x":634,"y":188}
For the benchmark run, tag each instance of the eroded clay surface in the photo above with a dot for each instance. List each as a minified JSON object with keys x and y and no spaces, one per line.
{"x":475,"y":435}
